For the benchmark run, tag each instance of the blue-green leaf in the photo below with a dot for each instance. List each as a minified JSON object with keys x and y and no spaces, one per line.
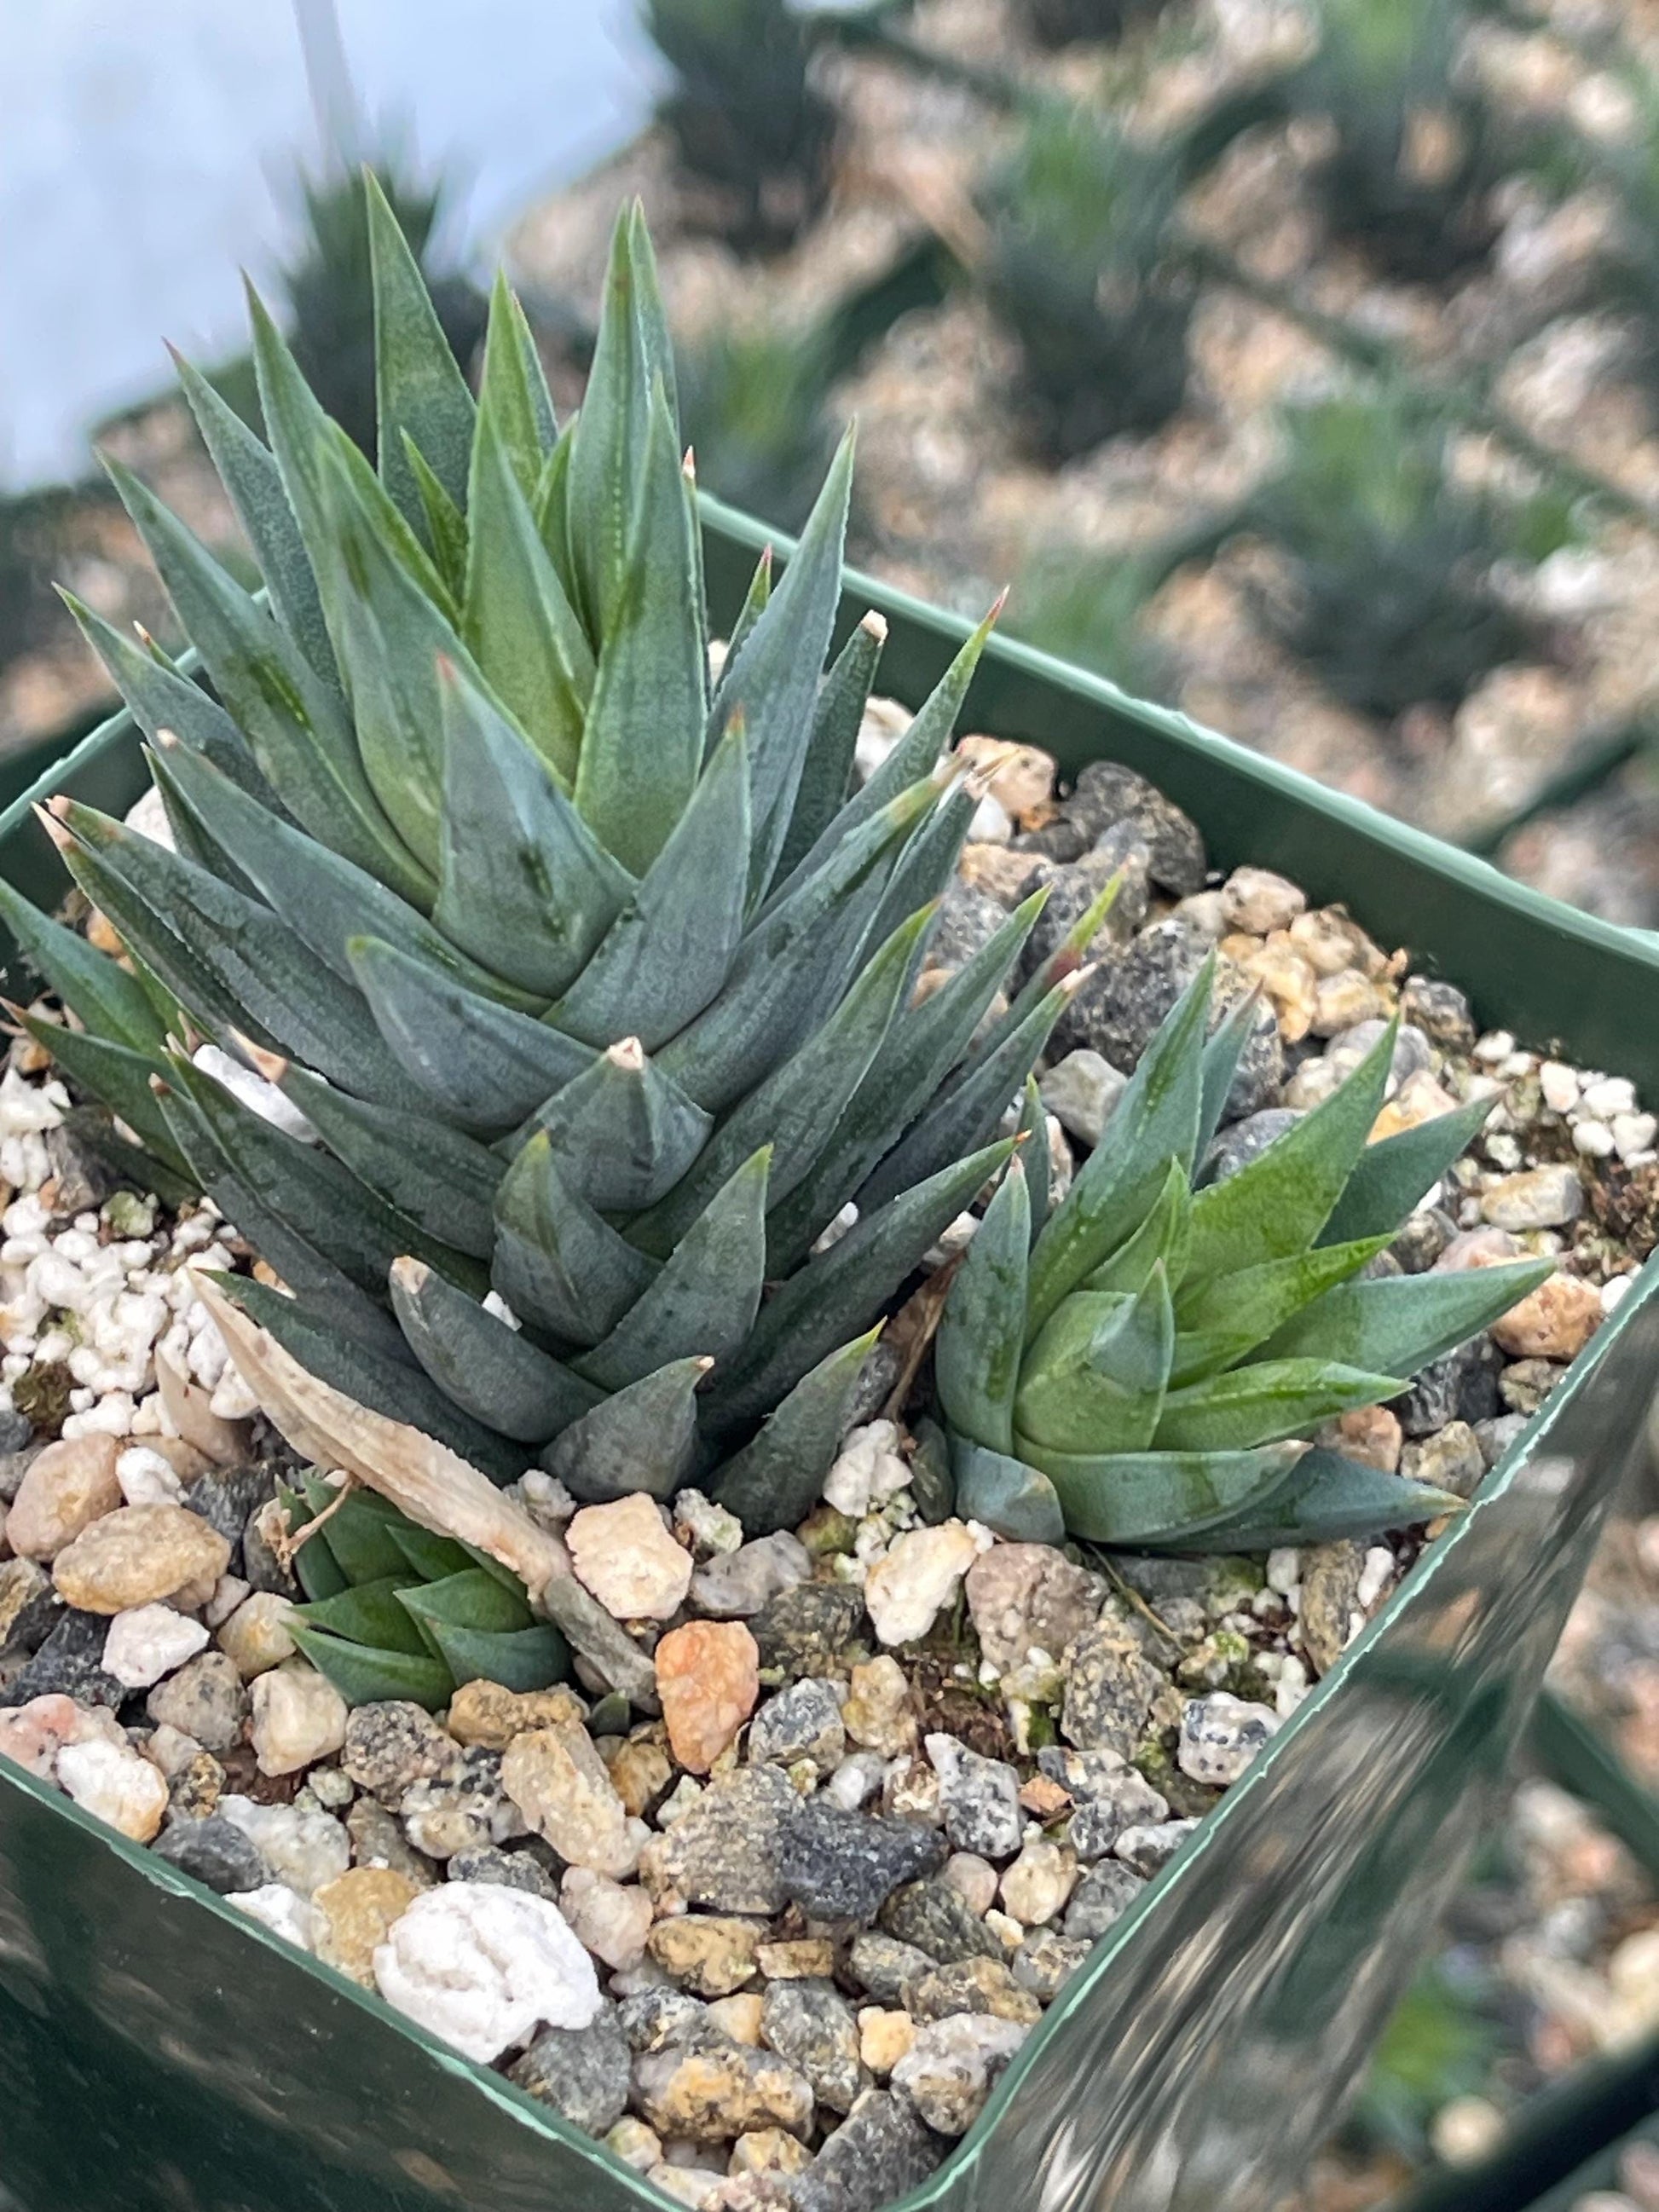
{"x":1268,"y":1400}
{"x":490,"y":1370}
{"x":418,"y":387}
{"x":982,"y":1335}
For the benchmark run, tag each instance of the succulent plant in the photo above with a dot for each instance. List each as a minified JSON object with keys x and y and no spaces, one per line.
{"x":1078,"y":269}
{"x":1412,"y":158}
{"x":590,"y":984}
{"x":743,"y":112}
{"x":393,"y":1610}
{"x":1143,"y":1366}
{"x":1391,"y":596}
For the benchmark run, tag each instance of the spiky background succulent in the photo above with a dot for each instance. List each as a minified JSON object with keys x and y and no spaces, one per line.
{"x":1078,"y":269}
{"x":593,"y":985}
{"x":1144,"y":1372}
{"x":743,"y":112}
{"x":394,"y":1611}
{"x":1392,"y":598}
{"x":1411,"y":161}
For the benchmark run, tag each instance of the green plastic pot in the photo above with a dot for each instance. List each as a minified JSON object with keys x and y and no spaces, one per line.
{"x":157,"y":2050}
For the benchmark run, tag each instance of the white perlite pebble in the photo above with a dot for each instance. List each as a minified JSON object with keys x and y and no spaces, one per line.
{"x":284,"y":1910}
{"x":148,"y":1642}
{"x":113,"y":1783}
{"x":1081,"y":1092}
{"x":1594,"y":1138}
{"x":868,"y":1471}
{"x":1284,"y":1570}
{"x":922,"y":1572}
{"x":298,"y":1717}
{"x":147,"y":1479}
{"x":1609,"y":1094}
{"x":1560,"y":1085}
{"x":1633,"y":1134}
{"x":483,"y":1967}
{"x":1374,"y":1576}
{"x":1220,"y":1735}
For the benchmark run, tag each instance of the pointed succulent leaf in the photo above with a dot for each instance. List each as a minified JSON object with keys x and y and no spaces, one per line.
{"x":913,"y":1060}
{"x":1403,"y":1321}
{"x":364,"y":1676}
{"x":622,"y":1132}
{"x":297,"y":731}
{"x":1094,"y":1377}
{"x":1033,"y":1140}
{"x":912,"y":760}
{"x":418,"y":387}
{"x":1224,"y":1317}
{"x":229,"y":960}
{"x":556,"y":1262}
{"x":383,"y":1385}
{"x":1014,"y":1499}
{"x":656,"y":345}
{"x":433,"y":1176}
{"x":515,"y":407}
{"x":813,"y":1311}
{"x":518,"y":1658}
{"x":432,"y":1556}
{"x":1064,"y":961}
{"x":160,"y":698}
{"x":446,"y":525}
{"x":1323,"y":1499}
{"x":706,"y":1298}
{"x":1391,"y":1177}
{"x":826,"y":776}
{"x":550,"y":506}
{"x":786,"y":966}
{"x":117,"y":1075}
{"x":668,"y":951}
{"x":368,"y":1613}
{"x":754,"y":605}
{"x":609,"y":438}
{"x":1277,"y":1204}
{"x":643,"y":743}
{"x":1266,"y":1400}
{"x":1163,"y":1236}
{"x":528,"y":641}
{"x":1155,"y":1121}
{"x":469,"y":1599}
{"x":772,"y":682}
{"x":96,"y":988}
{"x":323,"y":898}
{"x":522,"y":884}
{"x":643,"y":1437}
{"x":358,"y":1531}
{"x":1222,"y":1053}
{"x":776,"y":1479}
{"x":982,"y":1335}
{"x":248,"y":470}
{"x":972,"y":1107}
{"x":1159,"y":1497}
{"x":482,"y":1064}
{"x":925,"y":866}
{"x":490,"y":1370}
{"x":794,"y":1111}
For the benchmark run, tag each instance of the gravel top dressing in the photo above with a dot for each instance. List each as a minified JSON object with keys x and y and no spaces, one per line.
{"x":774,"y":1947}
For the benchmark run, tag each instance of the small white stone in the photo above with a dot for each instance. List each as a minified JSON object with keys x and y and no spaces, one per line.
{"x":256,"y":1635}
{"x":148,"y":1642}
{"x":1220,"y":1735}
{"x":147,"y":1479}
{"x":1615,"y":1290}
{"x":1496,"y":1045}
{"x":904,"y":1592}
{"x":298,"y":1717}
{"x":287,"y":1914}
{"x":1284,"y":1569}
{"x":1374,"y":1576}
{"x":712,"y":1529}
{"x":1610,"y":1095}
{"x":1291,"y":1687}
{"x":303,"y":1848}
{"x":627,"y":1559}
{"x":114,"y":1784}
{"x":228,"y":1594}
{"x":1633,"y":1134}
{"x":483,"y":1967}
{"x":1560,"y":1085}
{"x":868,"y":1470}
{"x":1594,"y":1138}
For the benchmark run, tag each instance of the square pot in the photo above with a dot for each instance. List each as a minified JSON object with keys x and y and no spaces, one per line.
{"x":157,"y":2049}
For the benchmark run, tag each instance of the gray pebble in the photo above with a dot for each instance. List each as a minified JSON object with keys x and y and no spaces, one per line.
{"x":1106,"y":793}
{"x":881,"y":1965}
{"x":838,"y":1865}
{"x":1124,"y":1800}
{"x":1046,"y":1961}
{"x":735,"y":1585}
{"x":1450,"y":1460}
{"x":213,"y":1852}
{"x":654,"y":2018}
{"x":1460,"y":1386}
{"x":225,"y":1497}
{"x":67,"y":1664}
{"x":727,"y":1854}
{"x":1148,"y":1850}
{"x":1496,"y":1436}
{"x":1109,"y":1691}
{"x":812,"y":2024}
{"x":939,"y":1920}
{"x":1104,"y":1894}
{"x":1440,"y":1010}
{"x":967,"y":919}
{"x":1246,"y":1141}
{"x":261,"y":1569}
{"x":979,"y":1798}
{"x":1074,"y":885}
{"x":1525,"y":1384}
{"x":391,"y":1745}
{"x":508,"y":1869}
{"x":1123,"y":1002}
{"x":803,"y":1721}
{"x":29,"y":1607}
{"x":812,"y":1630}
{"x":14,"y":1434}
{"x":1423,"y":1237}
{"x":582,"y":2073}
{"x":881,"y":2151}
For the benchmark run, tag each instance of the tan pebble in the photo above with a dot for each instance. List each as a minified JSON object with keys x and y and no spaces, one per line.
{"x":708,"y":1680}
{"x":998,"y":871}
{"x":485,"y":1713}
{"x":186,"y":1462}
{"x":299,"y":1717}
{"x":1344,"y":999}
{"x":1420,"y":1098}
{"x":808,"y":1958}
{"x":114,"y":1784}
{"x":1330,"y":943}
{"x":1036,"y":1886}
{"x":1554,"y":1322}
{"x":769,"y":2150}
{"x":1257,"y":900}
{"x":1020,"y":778}
{"x":256,"y":1635}
{"x":919,"y":1574}
{"x":558,"y":1782}
{"x":1044,"y":1799}
{"x":190,"y":1408}
{"x":708,"y":1955}
{"x":740,"y":2017}
{"x":358,"y":1908}
{"x":640,"y":1770}
{"x":1372,"y":1434}
{"x":137,"y":1554}
{"x":1285,"y":977}
{"x":610,"y":1919}
{"x":884,"y":2039}
{"x":715,"y":2094}
{"x":973,"y":1879}
{"x":635,"y":2144}
{"x":878,"y":1713}
{"x":627,"y":1560}
{"x":68,"y":1486}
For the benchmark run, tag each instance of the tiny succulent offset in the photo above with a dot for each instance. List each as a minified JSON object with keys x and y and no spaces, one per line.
{"x":1143,"y":1365}
{"x":583,"y":982}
